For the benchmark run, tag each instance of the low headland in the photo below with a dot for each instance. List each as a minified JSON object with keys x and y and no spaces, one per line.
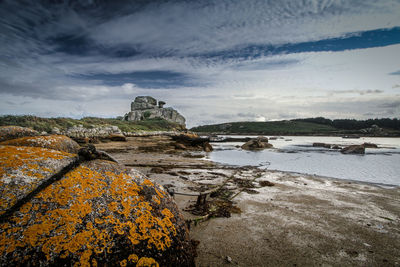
{"x":311,"y":126}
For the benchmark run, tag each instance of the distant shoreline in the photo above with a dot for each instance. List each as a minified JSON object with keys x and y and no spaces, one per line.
{"x":292,"y":134}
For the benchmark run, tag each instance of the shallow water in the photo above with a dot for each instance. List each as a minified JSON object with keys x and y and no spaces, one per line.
{"x":296,"y":154}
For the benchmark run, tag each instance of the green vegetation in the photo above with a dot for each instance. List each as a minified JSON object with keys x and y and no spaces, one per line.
{"x":351,"y":124}
{"x":147,"y":114}
{"x":311,"y":126}
{"x":46,"y":124}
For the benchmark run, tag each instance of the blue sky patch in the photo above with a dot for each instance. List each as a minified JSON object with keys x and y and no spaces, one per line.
{"x":362,"y":40}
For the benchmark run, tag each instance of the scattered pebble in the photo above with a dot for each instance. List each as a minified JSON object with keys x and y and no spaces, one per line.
{"x":228,"y":259}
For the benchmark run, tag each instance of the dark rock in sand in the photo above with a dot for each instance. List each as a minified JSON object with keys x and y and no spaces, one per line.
{"x":265,"y":183}
{"x":117,"y":137}
{"x":370,"y":145}
{"x":354,"y":149}
{"x":317,"y":144}
{"x":192,"y":141}
{"x":157,"y":170}
{"x":257,"y":143}
{"x":207,"y":147}
{"x":180,"y":146}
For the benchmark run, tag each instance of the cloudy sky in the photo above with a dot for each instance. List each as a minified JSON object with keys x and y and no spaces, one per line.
{"x":214,"y":61}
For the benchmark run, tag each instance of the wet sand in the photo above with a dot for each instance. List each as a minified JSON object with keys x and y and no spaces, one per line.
{"x":302,"y":220}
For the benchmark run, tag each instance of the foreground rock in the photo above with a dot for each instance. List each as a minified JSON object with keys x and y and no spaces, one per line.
{"x":354,"y":149}
{"x":56,"y":142}
{"x":59,"y":209}
{"x":12,"y":132}
{"x":257,"y":143}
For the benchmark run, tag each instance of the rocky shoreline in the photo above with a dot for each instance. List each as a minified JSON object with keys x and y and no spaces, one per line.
{"x":248,"y":216}
{"x":274,"y":218}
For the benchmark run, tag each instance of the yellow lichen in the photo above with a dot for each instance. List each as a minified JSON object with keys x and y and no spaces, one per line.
{"x":133,"y":258}
{"x":57,"y":142}
{"x":147,"y":262}
{"x":66,"y":230}
{"x":27,"y":163}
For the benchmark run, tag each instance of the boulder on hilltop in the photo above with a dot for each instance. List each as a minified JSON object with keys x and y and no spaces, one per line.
{"x":145,"y":107}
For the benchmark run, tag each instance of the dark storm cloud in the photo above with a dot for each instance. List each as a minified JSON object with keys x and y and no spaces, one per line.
{"x":144,"y":79}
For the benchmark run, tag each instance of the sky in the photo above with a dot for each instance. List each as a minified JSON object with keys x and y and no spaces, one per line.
{"x":214,"y":61}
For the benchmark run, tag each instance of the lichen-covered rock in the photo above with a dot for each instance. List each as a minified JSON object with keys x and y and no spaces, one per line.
{"x":23,"y":169}
{"x":56,"y":142}
{"x":97,"y":214}
{"x":12,"y":132}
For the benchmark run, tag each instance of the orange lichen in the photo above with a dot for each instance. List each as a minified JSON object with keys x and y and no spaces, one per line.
{"x":133,"y":258}
{"x":123,"y":263}
{"x":73,"y":228}
{"x":147,"y":262}
{"x":22,"y":169}
{"x":57,"y":142}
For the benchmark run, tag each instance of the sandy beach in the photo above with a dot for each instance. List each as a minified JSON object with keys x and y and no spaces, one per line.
{"x":294,"y":220}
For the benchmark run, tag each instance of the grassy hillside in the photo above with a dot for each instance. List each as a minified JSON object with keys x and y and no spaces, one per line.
{"x":46,"y":124}
{"x":268,"y":128}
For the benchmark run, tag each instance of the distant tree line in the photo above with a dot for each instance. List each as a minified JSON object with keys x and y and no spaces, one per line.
{"x":352,"y":124}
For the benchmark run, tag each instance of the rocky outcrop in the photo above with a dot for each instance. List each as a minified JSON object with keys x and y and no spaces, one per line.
{"x":93,"y":134}
{"x":145,"y":107}
{"x":353,"y":149}
{"x":191,"y":141}
{"x":64,"y":209}
{"x":257,"y":143}
{"x":12,"y":132}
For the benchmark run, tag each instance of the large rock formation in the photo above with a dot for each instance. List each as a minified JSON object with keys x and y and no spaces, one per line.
{"x":145,"y":107}
{"x":67,"y":209}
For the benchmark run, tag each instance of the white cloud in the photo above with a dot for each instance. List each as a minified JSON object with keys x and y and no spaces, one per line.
{"x":195,"y":27}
